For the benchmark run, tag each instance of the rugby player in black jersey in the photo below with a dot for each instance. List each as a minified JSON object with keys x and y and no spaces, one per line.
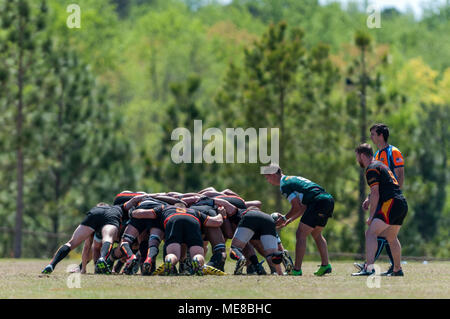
{"x":136,"y":229}
{"x":104,"y":219}
{"x":388,"y":209}
{"x":181,"y":226}
{"x":231,"y":203}
{"x":252,"y":224}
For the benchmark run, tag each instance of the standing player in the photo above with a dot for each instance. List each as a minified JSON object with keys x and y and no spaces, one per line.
{"x":388,"y":208}
{"x":314,"y":204}
{"x":390,"y":156}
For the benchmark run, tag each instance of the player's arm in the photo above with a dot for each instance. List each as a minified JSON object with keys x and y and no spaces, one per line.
{"x":191,"y":200}
{"x":373,"y":201}
{"x":207,"y":190}
{"x":399,"y":164}
{"x":230,"y":208}
{"x":134,"y":201}
{"x":256,"y":203}
{"x":143,"y":213}
{"x":169,"y":199}
{"x":215,"y":221}
{"x":86,"y":254}
{"x":400,"y":172}
{"x":297,"y":210}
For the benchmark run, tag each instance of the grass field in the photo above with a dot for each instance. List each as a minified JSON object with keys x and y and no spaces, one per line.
{"x":22,"y":279}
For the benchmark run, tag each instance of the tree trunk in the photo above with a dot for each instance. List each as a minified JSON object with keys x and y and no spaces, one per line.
{"x":19,"y":152}
{"x":362,"y":181}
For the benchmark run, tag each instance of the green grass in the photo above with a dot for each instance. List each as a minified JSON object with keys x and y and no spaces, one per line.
{"x":22,"y":279}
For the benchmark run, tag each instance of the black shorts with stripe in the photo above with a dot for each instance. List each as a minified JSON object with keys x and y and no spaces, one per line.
{"x":259,"y":222}
{"x":100,"y":216}
{"x":393,"y":211}
{"x":143,"y":224}
{"x":183,"y":229}
{"x":318,"y":212}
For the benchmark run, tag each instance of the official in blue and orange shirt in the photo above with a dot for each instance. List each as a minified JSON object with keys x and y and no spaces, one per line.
{"x":388,"y":154}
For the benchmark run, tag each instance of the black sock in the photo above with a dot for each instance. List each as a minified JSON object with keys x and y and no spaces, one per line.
{"x":254,"y":260}
{"x":143,"y":248}
{"x":381,"y":243}
{"x":62,"y":252}
{"x":153,"y":251}
{"x":125,"y":247}
{"x":105,"y":250}
{"x":389,"y":253}
{"x":236,"y":253}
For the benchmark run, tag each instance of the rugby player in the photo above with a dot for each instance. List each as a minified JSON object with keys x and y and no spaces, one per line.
{"x":231,"y":203}
{"x":388,"y":209}
{"x":137,"y":229}
{"x":102,"y":218}
{"x":181,"y":226}
{"x":314,"y":204}
{"x":392,"y":158}
{"x":256,"y":225}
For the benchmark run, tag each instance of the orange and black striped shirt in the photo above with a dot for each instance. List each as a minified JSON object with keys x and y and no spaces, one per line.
{"x":378,"y":173}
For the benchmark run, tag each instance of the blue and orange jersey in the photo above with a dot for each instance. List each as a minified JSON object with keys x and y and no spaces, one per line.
{"x":391,"y":157}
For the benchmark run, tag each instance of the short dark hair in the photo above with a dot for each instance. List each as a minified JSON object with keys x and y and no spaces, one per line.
{"x":381,"y":128}
{"x":365,"y":149}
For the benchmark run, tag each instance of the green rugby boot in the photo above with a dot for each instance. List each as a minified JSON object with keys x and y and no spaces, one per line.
{"x":323,"y":270}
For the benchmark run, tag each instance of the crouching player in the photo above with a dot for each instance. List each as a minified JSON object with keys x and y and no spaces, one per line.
{"x":104,"y":219}
{"x":256,"y":225}
{"x":181,"y":226}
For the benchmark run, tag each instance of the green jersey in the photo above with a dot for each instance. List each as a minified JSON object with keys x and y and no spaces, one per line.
{"x":296,"y":186}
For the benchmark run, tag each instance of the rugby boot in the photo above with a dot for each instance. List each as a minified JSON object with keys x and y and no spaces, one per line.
{"x":388,"y":272}
{"x":323,"y":270}
{"x":118,"y":267}
{"x":169,"y":269}
{"x":130,"y":264}
{"x":101,"y":267}
{"x":359,"y":266}
{"x":296,"y":272}
{"x":159,"y":271}
{"x":210,"y":270}
{"x":240,"y":263}
{"x":260,"y":269}
{"x":363,"y":272}
{"x":396,"y":273}
{"x":48,"y":269}
{"x":196,"y":268}
{"x":287,"y":261}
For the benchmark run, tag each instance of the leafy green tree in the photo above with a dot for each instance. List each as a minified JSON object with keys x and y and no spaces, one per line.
{"x":22,"y":24}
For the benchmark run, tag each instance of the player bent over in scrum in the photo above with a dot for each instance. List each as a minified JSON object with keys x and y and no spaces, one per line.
{"x":254,"y":224}
{"x":182,"y":226}
{"x":102,"y":218}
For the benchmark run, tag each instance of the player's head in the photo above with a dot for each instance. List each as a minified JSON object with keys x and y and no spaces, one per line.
{"x":364,"y":154}
{"x":379,"y":133}
{"x":272,"y":173}
{"x":125,"y":196}
{"x":180,"y":204}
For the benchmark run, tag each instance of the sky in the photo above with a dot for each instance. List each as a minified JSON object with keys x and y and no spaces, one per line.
{"x":400,"y":5}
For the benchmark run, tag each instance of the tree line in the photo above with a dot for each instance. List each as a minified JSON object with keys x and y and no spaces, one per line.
{"x":87,"y":113}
